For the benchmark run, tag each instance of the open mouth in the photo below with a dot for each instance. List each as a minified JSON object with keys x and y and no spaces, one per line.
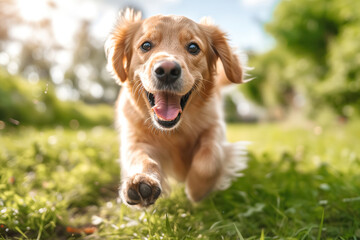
{"x":167,"y":107}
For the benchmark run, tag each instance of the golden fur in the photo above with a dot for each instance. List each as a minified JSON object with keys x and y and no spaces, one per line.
{"x":195,"y":150}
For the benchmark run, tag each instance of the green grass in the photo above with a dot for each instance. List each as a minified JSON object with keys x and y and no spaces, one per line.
{"x":301,"y":183}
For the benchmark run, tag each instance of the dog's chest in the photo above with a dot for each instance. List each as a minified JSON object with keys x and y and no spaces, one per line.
{"x":176,"y":154}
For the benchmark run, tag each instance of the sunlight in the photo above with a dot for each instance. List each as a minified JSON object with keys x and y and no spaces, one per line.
{"x":33,"y":11}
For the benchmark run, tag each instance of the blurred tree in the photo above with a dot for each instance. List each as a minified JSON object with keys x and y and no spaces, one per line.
{"x":88,"y":71}
{"x":7,"y":18}
{"x":41,"y":55}
{"x":306,"y":27}
{"x":316,"y":57}
{"x":32,"y":59}
{"x":274,"y":86}
{"x":342,"y":86}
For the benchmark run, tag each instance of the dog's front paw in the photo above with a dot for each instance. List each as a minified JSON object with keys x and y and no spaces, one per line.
{"x":140,"y":190}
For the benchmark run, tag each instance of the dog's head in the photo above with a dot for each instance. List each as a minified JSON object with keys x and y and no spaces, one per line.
{"x":166,"y":60}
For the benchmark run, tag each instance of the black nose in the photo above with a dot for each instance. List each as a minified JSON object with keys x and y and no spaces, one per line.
{"x":167,"y":71}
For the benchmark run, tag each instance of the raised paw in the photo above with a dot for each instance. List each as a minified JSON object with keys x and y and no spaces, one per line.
{"x":140,"y":190}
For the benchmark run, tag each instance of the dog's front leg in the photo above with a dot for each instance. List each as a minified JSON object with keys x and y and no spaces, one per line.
{"x":206,"y":165}
{"x":141,"y":176}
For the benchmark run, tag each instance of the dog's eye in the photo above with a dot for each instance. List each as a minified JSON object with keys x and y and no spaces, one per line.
{"x":193,"y":48}
{"x":146,"y":46}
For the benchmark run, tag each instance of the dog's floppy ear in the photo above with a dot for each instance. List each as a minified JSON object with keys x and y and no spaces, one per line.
{"x":118,"y":45}
{"x":219,"y":45}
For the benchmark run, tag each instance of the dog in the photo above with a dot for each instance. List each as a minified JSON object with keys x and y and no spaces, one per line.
{"x":169,"y":108}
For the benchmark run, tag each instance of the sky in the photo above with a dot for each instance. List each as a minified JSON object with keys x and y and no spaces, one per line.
{"x":243,"y":20}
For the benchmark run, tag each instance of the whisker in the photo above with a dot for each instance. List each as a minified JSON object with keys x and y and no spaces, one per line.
{"x":141,"y":90}
{"x":199,"y":88}
{"x":136,"y":85}
{"x":136,"y":88}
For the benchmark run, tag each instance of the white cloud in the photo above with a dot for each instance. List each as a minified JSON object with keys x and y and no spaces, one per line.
{"x":147,"y":7}
{"x":257,"y":3}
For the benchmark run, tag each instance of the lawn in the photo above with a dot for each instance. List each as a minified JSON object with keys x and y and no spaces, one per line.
{"x":303,"y":182}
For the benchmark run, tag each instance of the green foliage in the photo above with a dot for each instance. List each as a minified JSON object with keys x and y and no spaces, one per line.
{"x":316,"y":58}
{"x":36,"y":104}
{"x":47,"y":173}
{"x":270,"y":68}
{"x":306,"y":26}
{"x":51,"y":179}
{"x":342,"y":85}
{"x":231,"y":114}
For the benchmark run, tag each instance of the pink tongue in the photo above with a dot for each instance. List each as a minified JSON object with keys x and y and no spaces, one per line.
{"x":167,"y":106}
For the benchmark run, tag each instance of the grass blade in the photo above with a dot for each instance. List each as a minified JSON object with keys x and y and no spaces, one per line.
{"x":41,"y":226}
{"x":168,"y":227}
{"x":238,"y":232}
{"x":307,"y":232}
{"x":262,"y":235}
{"x":321,"y":225}
{"x":21,"y":232}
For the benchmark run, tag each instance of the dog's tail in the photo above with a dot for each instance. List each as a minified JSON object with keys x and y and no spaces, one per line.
{"x":235,"y":161}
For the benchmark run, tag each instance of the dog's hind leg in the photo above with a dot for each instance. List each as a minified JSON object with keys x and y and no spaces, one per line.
{"x":215,"y":165}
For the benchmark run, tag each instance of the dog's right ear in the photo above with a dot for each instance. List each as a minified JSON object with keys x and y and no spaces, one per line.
{"x":118,"y":45}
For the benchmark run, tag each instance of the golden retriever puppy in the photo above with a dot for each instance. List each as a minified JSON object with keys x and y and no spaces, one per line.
{"x":169,"y":109}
